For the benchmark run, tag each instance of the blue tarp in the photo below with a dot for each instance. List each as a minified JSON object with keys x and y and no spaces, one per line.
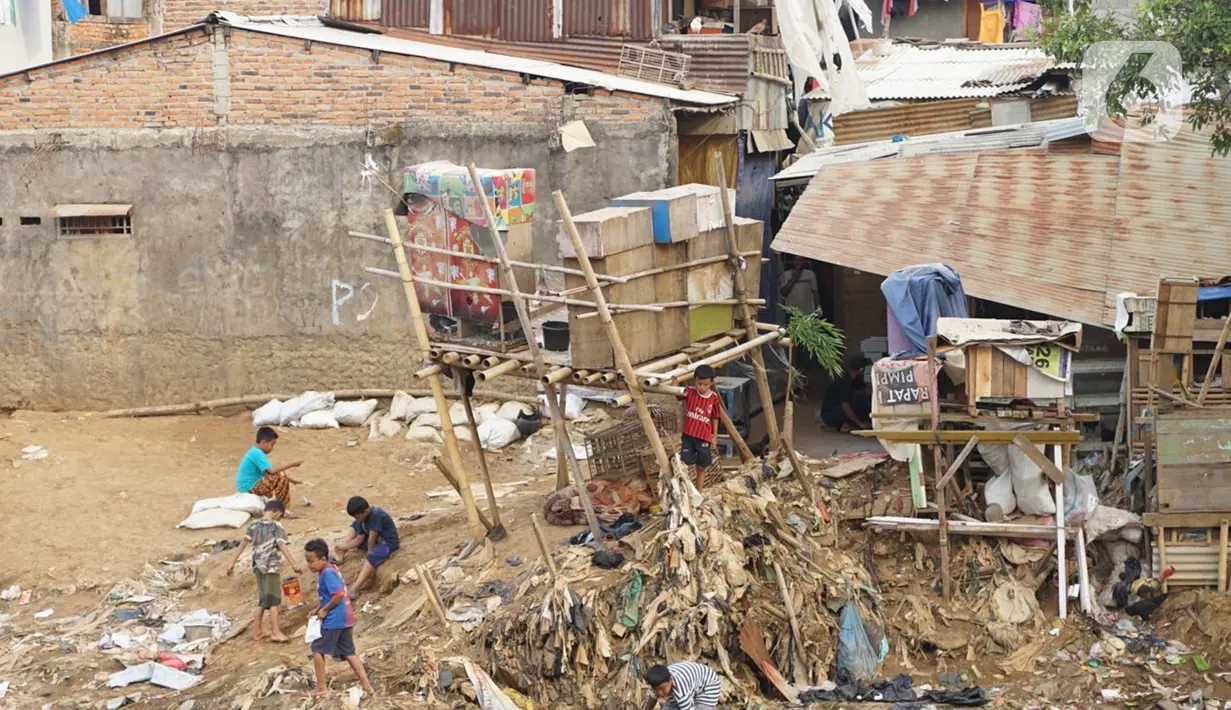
{"x":1213,"y":293}
{"x":918,"y":296}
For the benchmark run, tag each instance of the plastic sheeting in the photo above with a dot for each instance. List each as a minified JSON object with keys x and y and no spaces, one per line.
{"x":918,"y":296}
{"x":816,"y":46}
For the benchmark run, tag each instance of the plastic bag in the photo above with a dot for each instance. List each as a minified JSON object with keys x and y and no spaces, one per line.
{"x":573,"y":404}
{"x":1080,"y":498}
{"x":399,"y":408}
{"x":320,"y":419}
{"x":496,"y":433}
{"x":353,"y":413}
{"x":268,"y":414}
{"x":313,"y":632}
{"x":309,"y":401}
{"x":856,"y":659}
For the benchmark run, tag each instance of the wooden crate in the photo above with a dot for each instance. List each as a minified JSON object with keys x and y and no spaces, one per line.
{"x":991,"y":374}
{"x":645,"y":334}
{"x":1175,"y":316}
{"x":705,"y":321}
{"x":1193,"y":459}
{"x":608,"y":231}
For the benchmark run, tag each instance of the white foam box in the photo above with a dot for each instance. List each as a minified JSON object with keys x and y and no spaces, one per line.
{"x":610,"y":230}
{"x":680,"y":213}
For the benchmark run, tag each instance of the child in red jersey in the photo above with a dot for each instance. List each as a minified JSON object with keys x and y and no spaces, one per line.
{"x":701,"y":407}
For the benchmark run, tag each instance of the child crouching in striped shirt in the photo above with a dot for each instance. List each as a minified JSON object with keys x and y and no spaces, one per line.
{"x":683,"y":686}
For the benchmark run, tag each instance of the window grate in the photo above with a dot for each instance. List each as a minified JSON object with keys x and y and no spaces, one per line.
{"x":95,"y":226}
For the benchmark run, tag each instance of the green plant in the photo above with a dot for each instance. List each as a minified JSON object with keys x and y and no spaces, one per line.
{"x":822,"y":340}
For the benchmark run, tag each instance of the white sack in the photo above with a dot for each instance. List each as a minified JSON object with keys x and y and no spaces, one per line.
{"x":424,"y":433}
{"x":485,"y":411}
{"x":497,"y":433}
{"x":422,"y":405}
{"x":215,"y":518}
{"x":309,"y":401}
{"x":457,"y":412}
{"x":268,"y":414}
{"x":573,"y":404}
{"x":510,"y":410}
{"x":247,"y":502}
{"x":399,"y":408}
{"x":320,"y":419}
{"x":463,"y":433}
{"x":999,"y":491}
{"x":388,"y":426}
{"x":353,"y":413}
{"x":430,"y":419}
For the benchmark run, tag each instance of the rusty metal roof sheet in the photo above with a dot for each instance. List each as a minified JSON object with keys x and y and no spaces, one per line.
{"x":597,"y":53}
{"x":1060,"y":234}
{"x":311,"y":28}
{"x":907,"y":71}
{"x":719,"y":62}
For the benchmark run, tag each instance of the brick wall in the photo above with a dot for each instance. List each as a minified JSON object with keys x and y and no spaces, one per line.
{"x":91,"y":33}
{"x":178,"y":14}
{"x":160,"y":84}
{"x":273,"y":80}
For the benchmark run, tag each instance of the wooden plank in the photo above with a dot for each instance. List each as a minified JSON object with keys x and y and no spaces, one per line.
{"x":987,"y":437}
{"x":983,"y":372}
{"x":1039,"y":459}
{"x":608,"y":231}
{"x":1183,"y":520}
{"x":957,"y":462}
{"x":1175,"y":316}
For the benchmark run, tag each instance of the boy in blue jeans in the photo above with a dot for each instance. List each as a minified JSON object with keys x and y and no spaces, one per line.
{"x":373,"y":532}
{"x":337,"y":619}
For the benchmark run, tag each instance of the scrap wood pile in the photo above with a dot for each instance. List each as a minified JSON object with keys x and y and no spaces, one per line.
{"x":708,"y":586}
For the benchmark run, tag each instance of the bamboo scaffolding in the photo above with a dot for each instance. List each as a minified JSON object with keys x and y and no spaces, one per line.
{"x":444,"y":471}
{"x":521,"y":302}
{"x":505,"y":292}
{"x":556,"y":375}
{"x":689,"y":304}
{"x":685,"y":372}
{"x":543,"y":548}
{"x":613,"y":336}
{"x":1215,"y":362}
{"x":649,"y":369}
{"x":442,"y":405}
{"x":741,"y":446}
{"x":748,"y":312}
{"x":167,"y":410}
{"x":498,"y":370}
{"x":496,"y":532}
{"x":488,"y":259}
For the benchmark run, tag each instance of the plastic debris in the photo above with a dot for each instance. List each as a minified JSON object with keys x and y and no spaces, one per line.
{"x":11,"y":593}
{"x":44,"y":614}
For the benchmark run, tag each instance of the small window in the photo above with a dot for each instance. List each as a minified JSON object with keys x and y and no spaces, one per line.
{"x":31,"y":221}
{"x":93,"y":221}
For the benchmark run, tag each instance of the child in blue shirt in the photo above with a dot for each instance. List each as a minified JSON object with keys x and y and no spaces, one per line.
{"x":337,"y":619}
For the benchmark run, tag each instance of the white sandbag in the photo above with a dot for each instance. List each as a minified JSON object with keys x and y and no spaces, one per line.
{"x":320,"y":419}
{"x":268,"y":414}
{"x":1034,"y":496}
{"x":457,"y":412}
{"x":463,"y":433}
{"x":573,"y":404}
{"x":510,"y":410}
{"x":353,"y":413}
{"x":424,"y":433}
{"x":388,"y":426}
{"x":399,"y":408}
{"x":215,"y":518}
{"x":247,"y":502}
{"x":496,"y":433}
{"x":486,"y":411}
{"x":430,"y":419}
{"x":999,"y":492}
{"x":420,"y":405}
{"x":309,"y":401}
{"x":1105,"y":519}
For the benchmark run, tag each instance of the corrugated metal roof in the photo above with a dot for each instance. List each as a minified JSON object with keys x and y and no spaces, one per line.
{"x":719,"y":62}
{"x":889,"y":119}
{"x":1023,"y":135}
{"x":1061,"y":234}
{"x":597,"y":53}
{"x":907,"y":71}
{"x":310,"y":28}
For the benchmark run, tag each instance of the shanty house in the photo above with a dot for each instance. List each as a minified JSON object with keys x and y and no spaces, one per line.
{"x":175,"y":210}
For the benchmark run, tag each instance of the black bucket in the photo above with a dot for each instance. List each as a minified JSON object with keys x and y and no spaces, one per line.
{"x":555,"y":335}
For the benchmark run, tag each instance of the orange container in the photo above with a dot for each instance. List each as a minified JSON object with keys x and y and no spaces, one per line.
{"x":292,"y":593}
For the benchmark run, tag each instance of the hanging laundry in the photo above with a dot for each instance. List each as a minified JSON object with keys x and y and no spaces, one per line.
{"x":912,"y":6}
{"x":1027,"y":22}
{"x":74,"y":10}
{"x":8,"y":12}
{"x":991,"y":23}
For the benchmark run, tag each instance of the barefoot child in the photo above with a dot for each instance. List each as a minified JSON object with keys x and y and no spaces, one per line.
{"x":258,"y":476}
{"x":337,"y":619}
{"x":267,"y":539}
{"x":700,"y":422}
{"x":373,"y":532}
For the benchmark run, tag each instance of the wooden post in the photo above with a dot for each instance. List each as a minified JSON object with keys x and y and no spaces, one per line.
{"x":1062,"y":569}
{"x":617,"y":344}
{"x":788,"y":409}
{"x":497,"y":531}
{"x":790,"y":615}
{"x":1161,"y":534}
{"x":523,"y":317}
{"x":430,"y":590}
{"x":946,"y":582}
{"x":1222,"y":545}
{"x":438,"y":393}
{"x":561,"y":459}
{"x":444,"y":471}
{"x":543,"y":548}
{"x":748,"y":313}
{"x":1214,"y":362}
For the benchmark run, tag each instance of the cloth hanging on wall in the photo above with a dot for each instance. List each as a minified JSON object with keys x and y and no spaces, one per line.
{"x":1027,"y":21}
{"x":991,"y":23}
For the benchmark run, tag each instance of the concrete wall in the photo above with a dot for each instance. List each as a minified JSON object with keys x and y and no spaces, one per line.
{"x":234,"y":280}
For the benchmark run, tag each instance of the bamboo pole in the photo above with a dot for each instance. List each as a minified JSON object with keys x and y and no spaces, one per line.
{"x":490,"y":260}
{"x":592,"y":378}
{"x":497,"y":531}
{"x":429,"y":371}
{"x":788,"y":409}
{"x":538,"y":535}
{"x":689,"y":304}
{"x":498,"y":370}
{"x":748,"y":312}
{"x":166,"y":410}
{"x":561,"y":460}
{"x":1214,"y":363}
{"x":580,"y":376}
{"x":442,"y":405}
{"x":649,"y":369}
{"x":685,"y":372}
{"x":741,"y":446}
{"x":556,"y":375}
{"x":613,"y":336}
{"x":686,"y":265}
{"x":471,"y":360}
{"x":946,"y":581}
{"x":796,"y":636}
{"x":505,"y":292}
{"x":444,"y":471}
{"x":521,"y":303}
{"x":430,"y":590}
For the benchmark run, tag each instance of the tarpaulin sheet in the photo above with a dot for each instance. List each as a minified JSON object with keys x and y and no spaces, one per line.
{"x":920,"y":295}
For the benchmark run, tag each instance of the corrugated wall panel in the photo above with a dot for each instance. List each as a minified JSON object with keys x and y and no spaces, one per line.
{"x":597,"y":53}
{"x":473,"y":17}
{"x":526,"y":20}
{"x":355,"y":10}
{"x":919,"y":119}
{"x":1053,"y":107}
{"x":609,"y":18}
{"x":406,"y":13}
{"x":718,"y":62}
